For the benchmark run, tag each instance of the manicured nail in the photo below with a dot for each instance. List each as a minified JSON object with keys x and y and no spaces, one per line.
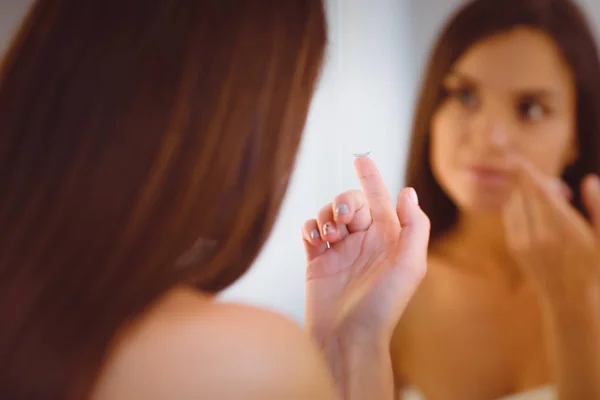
{"x":328,"y":228}
{"x":314,"y":234}
{"x":412,"y":195}
{"x":342,"y":209}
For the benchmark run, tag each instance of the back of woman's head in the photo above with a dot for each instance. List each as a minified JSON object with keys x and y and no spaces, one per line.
{"x":564,"y":24}
{"x":142,"y":145}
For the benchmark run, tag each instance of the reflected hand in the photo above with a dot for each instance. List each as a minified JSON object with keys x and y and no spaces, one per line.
{"x":361,"y":283}
{"x":556,"y":247}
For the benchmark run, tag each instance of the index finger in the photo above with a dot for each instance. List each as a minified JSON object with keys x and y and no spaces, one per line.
{"x":376,"y":194}
{"x":534,"y":182}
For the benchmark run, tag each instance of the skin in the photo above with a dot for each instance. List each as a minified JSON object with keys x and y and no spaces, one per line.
{"x":271,"y":357}
{"x":190,"y":347}
{"x":477,"y":318}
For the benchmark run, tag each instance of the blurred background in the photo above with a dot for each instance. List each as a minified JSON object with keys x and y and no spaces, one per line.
{"x":365,"y":99}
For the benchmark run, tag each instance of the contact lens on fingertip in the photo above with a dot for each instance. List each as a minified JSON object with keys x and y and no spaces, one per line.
{"x":364,"y":154}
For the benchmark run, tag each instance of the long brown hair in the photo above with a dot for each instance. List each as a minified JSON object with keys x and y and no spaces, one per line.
{"x":475,"y":21}
{"x":143,"y":144}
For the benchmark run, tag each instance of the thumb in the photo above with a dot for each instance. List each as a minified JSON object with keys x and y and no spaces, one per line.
{"x":590,"y":193}
{"x":415,"y":225}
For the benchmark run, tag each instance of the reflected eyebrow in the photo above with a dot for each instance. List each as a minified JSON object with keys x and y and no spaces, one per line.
{"x":462,"y":76}
{"x":528,"y":93}
{"x":544,"y":94}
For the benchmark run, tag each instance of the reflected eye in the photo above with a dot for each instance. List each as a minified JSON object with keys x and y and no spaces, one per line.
{"x":531,"y":110}
{"x":467,"y":97}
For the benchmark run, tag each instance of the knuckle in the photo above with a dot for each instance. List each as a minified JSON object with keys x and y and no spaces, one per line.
{"x":366,"y":175}
{"x":376,"y":193}
{"x":358,"y":195}
{"x":324,"y":212}
{"x":353,"y":198}
{"x":345,"y":198}
{"x":309,"y":224}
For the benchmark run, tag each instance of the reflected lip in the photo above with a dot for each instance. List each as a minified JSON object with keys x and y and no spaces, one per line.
{"x":489,"y":175}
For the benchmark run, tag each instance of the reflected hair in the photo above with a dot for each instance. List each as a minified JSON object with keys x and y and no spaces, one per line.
{"x":143,"y":145}
{"x":477,"y":20}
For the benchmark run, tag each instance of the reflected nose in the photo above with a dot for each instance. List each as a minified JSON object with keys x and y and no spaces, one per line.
{"x":491,"y":132}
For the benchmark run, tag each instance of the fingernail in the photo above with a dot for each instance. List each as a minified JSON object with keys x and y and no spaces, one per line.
{"x":314,"y":234}
{"x":328,"y":228}
{"x":412,"y":195}
{"x":342,"y":209}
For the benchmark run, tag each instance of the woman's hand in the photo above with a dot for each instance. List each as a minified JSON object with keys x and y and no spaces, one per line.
{"x":556,"y":247}
{"x":559,"y":250}
{"x":359,"y":284}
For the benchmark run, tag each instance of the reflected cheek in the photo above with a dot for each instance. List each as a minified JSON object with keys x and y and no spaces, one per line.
{"x":446,"y":147}
{"x":449,"y":150}
{"x":550,"y":154}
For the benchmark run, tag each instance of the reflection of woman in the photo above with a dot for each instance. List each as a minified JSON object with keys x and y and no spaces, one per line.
{"x":511,"y":302}
{"x":145,"y":148}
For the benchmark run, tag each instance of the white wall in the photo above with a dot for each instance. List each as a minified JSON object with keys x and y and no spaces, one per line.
{"x":363,"y":103}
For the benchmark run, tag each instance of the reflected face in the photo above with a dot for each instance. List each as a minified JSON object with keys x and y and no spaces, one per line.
{"x":509,"y":94}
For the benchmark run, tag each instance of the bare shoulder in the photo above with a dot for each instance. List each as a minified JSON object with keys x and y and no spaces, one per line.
{"x":188,"y":348}
{"x":415,"y":322}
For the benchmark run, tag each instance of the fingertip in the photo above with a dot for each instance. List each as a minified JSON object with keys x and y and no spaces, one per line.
{"x":364,"y":166}
{"x":566,"y":190}
{"x":330,"y":231}
{"x":590,"y":191}
{"x":409,"y":211}
{"x":411,"y":194}
{"x":592,"y":183}
{"x":314,"y":245}
{"x":361,"y":159}
{"x":311,"y":232}
{"x":346,"y":205}
{"x":342,"y":212}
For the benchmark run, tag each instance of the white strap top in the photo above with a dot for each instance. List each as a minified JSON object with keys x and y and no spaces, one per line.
{"x":542,"y":393}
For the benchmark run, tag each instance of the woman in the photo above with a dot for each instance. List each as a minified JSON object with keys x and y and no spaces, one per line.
{"x":145,"y":150}
{"x":510,"y":106}
{"x":513,"y":264}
